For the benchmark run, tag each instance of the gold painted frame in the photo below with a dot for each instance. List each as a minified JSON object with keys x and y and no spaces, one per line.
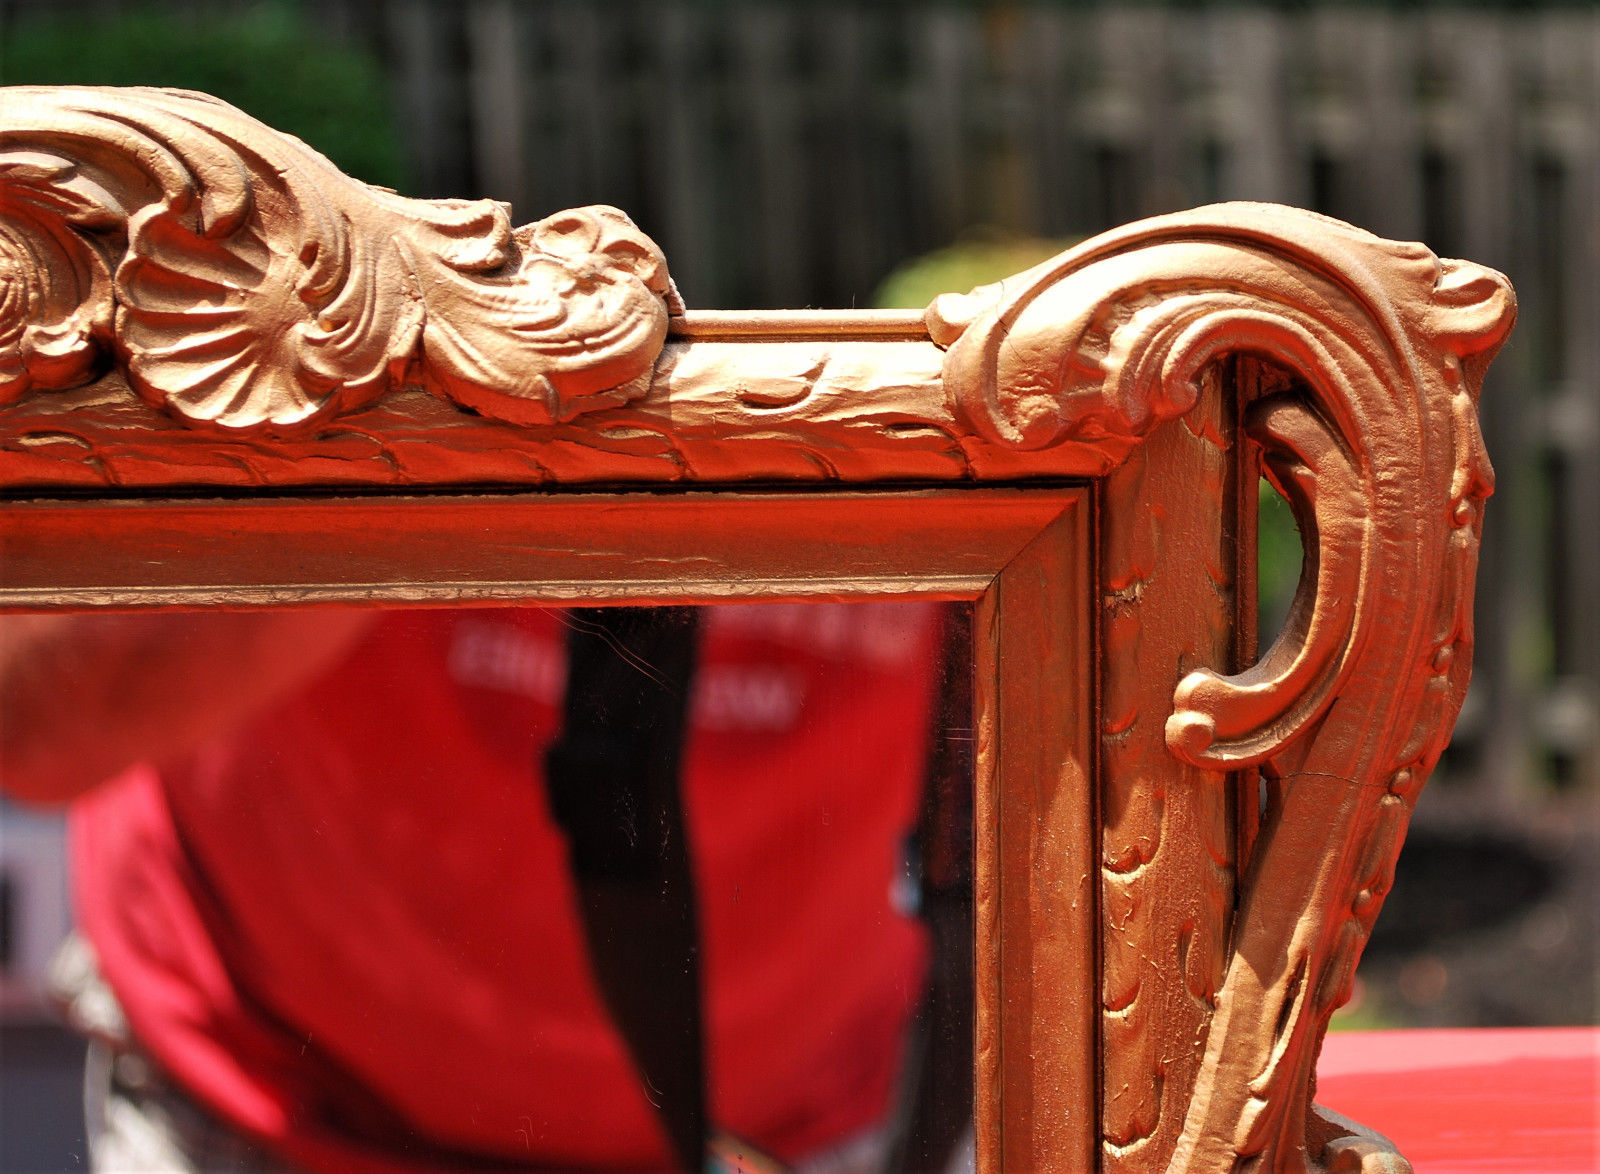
{"x":229,"y":373}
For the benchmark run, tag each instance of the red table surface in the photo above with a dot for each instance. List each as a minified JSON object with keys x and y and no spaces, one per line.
{"x":1468,"y":1102}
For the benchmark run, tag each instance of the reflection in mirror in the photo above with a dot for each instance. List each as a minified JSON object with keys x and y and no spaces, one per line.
{"x":625,"y":888}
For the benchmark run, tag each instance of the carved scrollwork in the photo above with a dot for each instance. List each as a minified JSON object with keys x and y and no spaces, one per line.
{"x":1379,"y":453}
{"x":240,"y":282}
{"x":243,"y":282}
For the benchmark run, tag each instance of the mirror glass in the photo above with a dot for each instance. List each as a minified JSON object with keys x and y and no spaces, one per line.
{"x":570,"y":888}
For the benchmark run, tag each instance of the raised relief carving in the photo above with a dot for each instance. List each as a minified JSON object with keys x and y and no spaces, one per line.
{"x":1378,"y":450}
{"x":1170,"y":587}
{"x":243,"y":282}
{"x":233,"y":278}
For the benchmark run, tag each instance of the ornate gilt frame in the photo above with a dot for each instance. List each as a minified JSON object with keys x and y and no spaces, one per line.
{"x":231,"y":374}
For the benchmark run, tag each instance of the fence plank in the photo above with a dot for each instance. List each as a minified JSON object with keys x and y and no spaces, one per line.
{"x":421,"y":37}
{"x":495,"y":90}
{"x":1246,"y":55}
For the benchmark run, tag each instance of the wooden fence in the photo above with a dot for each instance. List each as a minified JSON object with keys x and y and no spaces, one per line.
{"x":790,"y":154}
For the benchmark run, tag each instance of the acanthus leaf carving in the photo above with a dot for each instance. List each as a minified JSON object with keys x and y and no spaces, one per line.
{"x":243,"y":282}
{"x":1380,"y":455}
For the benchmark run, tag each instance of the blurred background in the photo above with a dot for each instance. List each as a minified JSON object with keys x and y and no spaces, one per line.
{"x":842,"y":154}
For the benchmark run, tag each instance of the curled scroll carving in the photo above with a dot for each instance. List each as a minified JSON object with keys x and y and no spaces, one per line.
{"x":1379,"y":453}
{"x":243,"y":282}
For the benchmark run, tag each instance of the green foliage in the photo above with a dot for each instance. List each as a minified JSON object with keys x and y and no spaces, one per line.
{"x":1364,"y":1012}
{"x":1278,"y":555}
{"x":264,"y":59}
{"x":978,"y":259}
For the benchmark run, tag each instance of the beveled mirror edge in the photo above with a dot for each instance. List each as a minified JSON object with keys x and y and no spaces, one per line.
{"x":1064,"y":371}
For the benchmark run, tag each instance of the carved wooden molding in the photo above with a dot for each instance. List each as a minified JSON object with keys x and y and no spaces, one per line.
{"x":188,"y":299}
{"x":1379,"y":452}
{"x":242,"y":281}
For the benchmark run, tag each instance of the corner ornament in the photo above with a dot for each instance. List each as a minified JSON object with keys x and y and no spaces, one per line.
{"x":1377,"y":449}
{"x":243,"y":283}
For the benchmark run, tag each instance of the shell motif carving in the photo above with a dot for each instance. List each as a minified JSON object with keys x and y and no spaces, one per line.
{"x":1381,"y":457}
{"x":243,"y":282}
